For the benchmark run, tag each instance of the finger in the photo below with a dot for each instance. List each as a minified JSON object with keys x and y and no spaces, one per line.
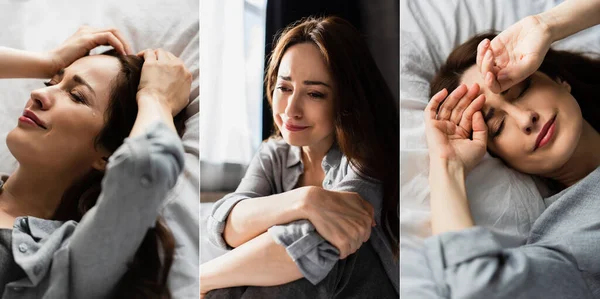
{"x":446,"y":108}
{"x":107,"y":38}
{"x":141,"y":53}
{"x":149,"y":55}
{"x":434,"y":103}
{"x":466,"y":121}
{"x":479,"y":128}
{"x":161,"y":55}
{"x":481,"y":50}
{"x":463,"y":103}
{"x":487,"y":62}
{"x":126,"y":48}
{"x":170,"y":55}
{"x":121,"y":37}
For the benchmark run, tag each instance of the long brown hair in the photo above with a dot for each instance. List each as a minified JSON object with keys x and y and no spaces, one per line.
{"x":579,"y":70}
{"x":147,"y":274}
{"x":366,"y":119}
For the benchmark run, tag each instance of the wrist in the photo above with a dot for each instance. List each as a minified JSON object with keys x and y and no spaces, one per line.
{"x":550,"y":24}
{"x":208,"y":278}
{"x":152,"y":99}
{"x":447,"y":167}
{"x":302,"y":203}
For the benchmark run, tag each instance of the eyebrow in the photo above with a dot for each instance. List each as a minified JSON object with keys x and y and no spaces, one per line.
{"x":306,"y":82}
{"x":77,"y":79}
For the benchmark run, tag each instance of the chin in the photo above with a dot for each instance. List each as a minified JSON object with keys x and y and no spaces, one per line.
{"x":294,"y":140}
{"x":17,"y":144}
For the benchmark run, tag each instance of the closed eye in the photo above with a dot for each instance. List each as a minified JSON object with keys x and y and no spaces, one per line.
{"x":75,"y":96}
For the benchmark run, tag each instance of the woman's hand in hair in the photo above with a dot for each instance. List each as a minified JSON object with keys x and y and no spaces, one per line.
{"x":454,"y":127}
{"x":515,"y":54}
{"x":166,"y":79}
{"x":83,"y":41}
{"x":344,"y":219}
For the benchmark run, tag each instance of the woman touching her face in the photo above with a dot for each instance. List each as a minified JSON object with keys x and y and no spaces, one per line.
{"x":545,"y":125}
{"x":99,"y":144}
{"x":318,"y":204}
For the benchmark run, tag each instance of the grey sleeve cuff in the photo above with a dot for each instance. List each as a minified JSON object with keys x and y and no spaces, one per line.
{"x":452,"y":248}
{"x":314,"y":256}
{"x":215,"y":225}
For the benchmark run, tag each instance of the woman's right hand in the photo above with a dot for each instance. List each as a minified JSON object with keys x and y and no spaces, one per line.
{"x":166,"y":79}
{"x":454,"y":127}
{"x":514,"y":54}
{"x":344,"y":219}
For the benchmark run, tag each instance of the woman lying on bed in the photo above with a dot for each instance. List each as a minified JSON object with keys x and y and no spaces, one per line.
{"x":324,"y":184}
{"x":97,"y":151}
{"x":537,"y":110}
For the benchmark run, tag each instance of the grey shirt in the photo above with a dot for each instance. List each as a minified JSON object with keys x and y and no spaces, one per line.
{"x":275,"y":169}
{"x":558,"y":260}
{"x":87,"y":259}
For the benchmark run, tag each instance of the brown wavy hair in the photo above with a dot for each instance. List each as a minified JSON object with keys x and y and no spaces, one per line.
{"x":147,"y":274}
{"x":579,"y":69}
{"x":367,"y":118}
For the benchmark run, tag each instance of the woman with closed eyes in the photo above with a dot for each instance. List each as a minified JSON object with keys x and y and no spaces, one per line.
{"x":536,"y":109}
{"x":98,"y":151}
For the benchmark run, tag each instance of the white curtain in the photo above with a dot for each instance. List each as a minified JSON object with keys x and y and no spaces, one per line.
{"x":231,"y":64}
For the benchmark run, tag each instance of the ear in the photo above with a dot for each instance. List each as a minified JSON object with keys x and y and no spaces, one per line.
{"x":100,"y":163}
{"x":564,"y":84}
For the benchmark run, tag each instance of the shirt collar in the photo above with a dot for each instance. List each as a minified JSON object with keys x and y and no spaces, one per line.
{"x":331,"y":159}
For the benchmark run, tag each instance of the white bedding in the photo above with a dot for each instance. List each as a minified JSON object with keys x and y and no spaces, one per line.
{"x":499,"y":197}
{"x":39,"y":25}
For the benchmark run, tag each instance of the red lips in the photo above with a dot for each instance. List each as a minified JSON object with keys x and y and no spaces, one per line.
{"x":546,"y":130}
{"x":294,"y":128}
{"x":29,"y":114}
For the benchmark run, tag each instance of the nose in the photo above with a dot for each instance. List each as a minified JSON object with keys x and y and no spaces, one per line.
{"x":41,"y":98}
{"x":294,"y":106}
{"x":527,"y":120}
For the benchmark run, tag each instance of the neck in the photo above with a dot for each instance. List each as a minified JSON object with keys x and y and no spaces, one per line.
{"x":583,"y":161}
{"x":30,"y":192}
{"x":312,"y":155}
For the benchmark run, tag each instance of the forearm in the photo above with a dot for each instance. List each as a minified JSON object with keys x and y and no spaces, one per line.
{"x":150,"y":110}
{"x":449,"y":205}
{"x":24,"y":64}
{"x":252,"y":217}
{"x":570,"y":17}
{"x":258,"y":262}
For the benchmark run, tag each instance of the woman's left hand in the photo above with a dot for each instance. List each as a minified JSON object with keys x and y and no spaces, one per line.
{"x":83,"y":41}
{"x":449,"y":123}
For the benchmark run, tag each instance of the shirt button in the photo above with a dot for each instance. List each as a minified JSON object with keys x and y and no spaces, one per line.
{"x":23,"y":223}
{"x":145,"y":181}
{"x":37,"y":269}
{"x":23,"y":247}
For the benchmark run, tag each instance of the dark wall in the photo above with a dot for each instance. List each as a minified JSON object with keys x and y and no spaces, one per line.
{"x":377,"y":20}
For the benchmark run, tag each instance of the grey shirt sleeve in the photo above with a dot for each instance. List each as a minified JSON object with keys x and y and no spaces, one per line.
{"x":473,"y":263}
{"x":314,"y":256}
{"x":256,"y":183}
{"x":139,"y":175}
